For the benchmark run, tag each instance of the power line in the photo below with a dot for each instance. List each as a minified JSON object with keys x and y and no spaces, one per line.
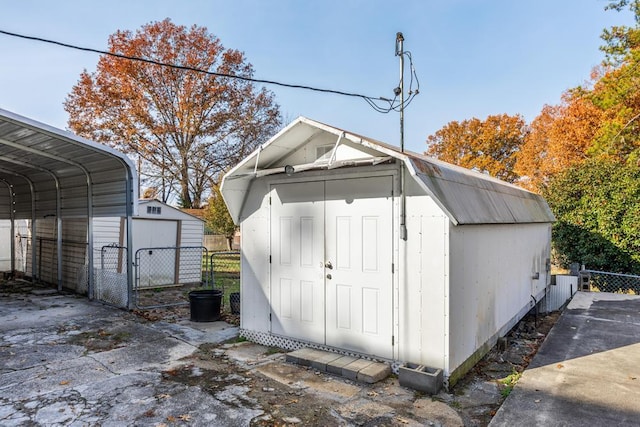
{"x":370,"y":100}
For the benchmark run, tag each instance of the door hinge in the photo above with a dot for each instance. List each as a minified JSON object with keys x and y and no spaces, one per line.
{"x":269,"y":200}
{"x":393,"y":268}
{"x":269,"y":259}
{"x":393,"y":340}
{"x":269,"y":317}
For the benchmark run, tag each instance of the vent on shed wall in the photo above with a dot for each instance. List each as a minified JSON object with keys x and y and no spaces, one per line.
{"x":154,"y":210}
{"x":323,"y":150}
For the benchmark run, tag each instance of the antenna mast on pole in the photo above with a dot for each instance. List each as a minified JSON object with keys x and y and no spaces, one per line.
{"x":400,"y":91}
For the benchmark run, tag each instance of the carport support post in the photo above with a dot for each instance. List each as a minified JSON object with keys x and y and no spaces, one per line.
{"x":32,"y":192}
{"x":129,"y":209}
{"x":130,"y":265}
{"x":13,"y":227}
{"x":59,"y":245}
{"x":13,"y":231}
{"x":90,"y":286}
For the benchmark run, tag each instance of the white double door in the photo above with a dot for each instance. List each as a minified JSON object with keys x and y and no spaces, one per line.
{"x":332,"y":263}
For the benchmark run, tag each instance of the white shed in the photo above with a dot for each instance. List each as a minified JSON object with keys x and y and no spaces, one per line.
{"x":350,"y":245}
{"x":158,"y":231}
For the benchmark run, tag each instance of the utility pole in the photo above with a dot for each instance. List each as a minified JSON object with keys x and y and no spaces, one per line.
{"x":400,"y":91}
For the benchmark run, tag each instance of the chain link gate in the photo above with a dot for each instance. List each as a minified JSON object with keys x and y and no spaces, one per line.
{"x":165,"y":275}
{"x":111,"y":285}
{"x":225,"y":269}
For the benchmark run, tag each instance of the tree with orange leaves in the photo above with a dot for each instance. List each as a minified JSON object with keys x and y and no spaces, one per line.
{"x":488,"y":146}
{"x":185,"y":126}
{"x":560,"y":137}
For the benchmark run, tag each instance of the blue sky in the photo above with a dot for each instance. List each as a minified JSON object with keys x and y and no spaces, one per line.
{"x":473,"y":57}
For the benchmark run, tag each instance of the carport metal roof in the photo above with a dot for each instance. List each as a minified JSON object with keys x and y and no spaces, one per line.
{"x":47,"y":172}
{"x":37,"y":160}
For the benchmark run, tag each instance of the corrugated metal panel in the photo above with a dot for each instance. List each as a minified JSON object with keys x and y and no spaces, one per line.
{"x":37,"y":153}
{"x":473,"y":198}
{"x":74,"y":253}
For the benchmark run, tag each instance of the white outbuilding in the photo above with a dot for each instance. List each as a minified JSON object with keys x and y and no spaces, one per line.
{"x":167,"y":243}
{"x":350,"y":245}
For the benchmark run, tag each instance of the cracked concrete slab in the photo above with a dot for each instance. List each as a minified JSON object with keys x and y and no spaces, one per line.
{"x":67,"y":361}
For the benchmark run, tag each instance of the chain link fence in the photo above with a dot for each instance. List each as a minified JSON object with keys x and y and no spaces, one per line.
{"x":226,"y":277}
{"x":164,"y":276}
{"x":602,"y":281}
{"x":111,"y":279}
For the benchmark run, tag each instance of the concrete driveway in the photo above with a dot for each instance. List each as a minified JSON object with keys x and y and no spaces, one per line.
{"x":66,"y":361}
{"x":587,"y":372}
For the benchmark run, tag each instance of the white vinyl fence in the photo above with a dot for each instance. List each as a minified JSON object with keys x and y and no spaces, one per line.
{"x":561,"y":292}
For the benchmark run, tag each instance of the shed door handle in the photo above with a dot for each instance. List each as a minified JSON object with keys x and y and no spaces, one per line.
{"x":328,"y":265}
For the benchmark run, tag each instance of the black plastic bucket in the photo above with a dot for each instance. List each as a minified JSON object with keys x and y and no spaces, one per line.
{"x":234,"y":302}
{"x":205,"y":305}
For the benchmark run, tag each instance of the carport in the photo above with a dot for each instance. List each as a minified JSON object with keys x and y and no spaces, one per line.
{"x":60,"y":182}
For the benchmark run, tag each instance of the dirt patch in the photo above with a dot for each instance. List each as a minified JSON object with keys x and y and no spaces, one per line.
{"x":100,"y":340}
{"x":174,"y":305}
{"x":216,"y":374}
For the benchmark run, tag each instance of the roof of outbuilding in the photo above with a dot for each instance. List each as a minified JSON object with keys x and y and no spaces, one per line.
{"x":46,"y":171}
{"x":175,"y":212}
{"x":466,"y":196}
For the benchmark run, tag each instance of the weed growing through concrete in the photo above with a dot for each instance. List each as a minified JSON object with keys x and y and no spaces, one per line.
{"x":509,"y":382}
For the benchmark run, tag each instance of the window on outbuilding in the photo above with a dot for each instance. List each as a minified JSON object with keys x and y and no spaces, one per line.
{"x":154,"y":210}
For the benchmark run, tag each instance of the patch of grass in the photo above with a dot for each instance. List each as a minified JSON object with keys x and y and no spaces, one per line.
{"x":509,"y":382}
{"x":224,"y":268}
{"x":273,"y":350}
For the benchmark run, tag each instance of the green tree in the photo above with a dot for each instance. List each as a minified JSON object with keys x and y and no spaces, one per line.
{"x":218,"y":218}
{"x":620,"y":40}
{"x":597,"y":206}
{"x":185,"y":126}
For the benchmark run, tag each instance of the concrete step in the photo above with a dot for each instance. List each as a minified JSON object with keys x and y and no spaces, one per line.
{"x":355,"y":369}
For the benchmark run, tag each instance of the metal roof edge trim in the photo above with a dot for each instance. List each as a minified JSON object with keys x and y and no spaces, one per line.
{"x":408,"y":158}
{"x":414,"y":174}
{"x":255,"y":152}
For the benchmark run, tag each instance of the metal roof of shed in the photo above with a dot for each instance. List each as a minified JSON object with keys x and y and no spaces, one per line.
{"x":51,"y":172}
{"x":466,"y":196}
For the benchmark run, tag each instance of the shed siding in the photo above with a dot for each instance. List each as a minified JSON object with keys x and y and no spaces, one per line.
{"x":254,"y":269}
{"x":422,"y":307}
{"x":106,"y":231}
{"x":191,"y":234}
{"x":491,"y":282}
